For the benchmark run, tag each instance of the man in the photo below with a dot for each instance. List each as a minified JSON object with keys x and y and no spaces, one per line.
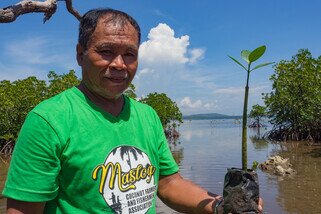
{"x":80,"y":150}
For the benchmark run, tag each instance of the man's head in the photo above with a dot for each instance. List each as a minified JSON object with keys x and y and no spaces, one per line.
{"x":90,"y":19}
{"x":108,"y":51}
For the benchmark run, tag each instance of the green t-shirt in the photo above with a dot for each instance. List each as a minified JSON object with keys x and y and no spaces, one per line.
{"x":81,"y":159}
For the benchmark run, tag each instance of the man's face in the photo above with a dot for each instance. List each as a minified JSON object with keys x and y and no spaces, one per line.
{"x":110,"y":62}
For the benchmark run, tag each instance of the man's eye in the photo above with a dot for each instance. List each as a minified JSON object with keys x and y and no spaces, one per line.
{"x":129,"y":54}
{"x":109,"y":52}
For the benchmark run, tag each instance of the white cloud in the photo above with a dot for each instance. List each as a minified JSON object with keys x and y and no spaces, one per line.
{"x":209,"y":105}
{"x":230,"y":91}
{"x":230,"y":99}
{"x":188,"y":106}
{"x":186,"y":102}
{"x":164,"y":63}
{"x":233,"y":91}
{"x":144,"y":71}
{"x":196,"y":54}
{"x":163,"y":47}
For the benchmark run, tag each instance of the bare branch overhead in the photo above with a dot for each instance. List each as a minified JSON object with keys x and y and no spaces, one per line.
{"x":72,"y":10}
{"x":48,"y":7}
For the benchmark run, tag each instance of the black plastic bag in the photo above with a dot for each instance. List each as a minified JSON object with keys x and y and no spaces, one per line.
{"x":241,"y":191}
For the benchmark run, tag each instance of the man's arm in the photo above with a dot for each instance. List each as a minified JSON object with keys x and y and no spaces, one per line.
{"x":22,"y":207}
{"x":185,"y":196}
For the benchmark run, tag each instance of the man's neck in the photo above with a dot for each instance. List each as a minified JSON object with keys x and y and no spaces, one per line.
{"x":111,"y":106}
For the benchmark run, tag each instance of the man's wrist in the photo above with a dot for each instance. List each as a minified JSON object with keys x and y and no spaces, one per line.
{"x":218,"y":208}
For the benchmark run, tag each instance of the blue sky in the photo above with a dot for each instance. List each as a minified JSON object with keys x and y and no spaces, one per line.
{"x":184,"y":46}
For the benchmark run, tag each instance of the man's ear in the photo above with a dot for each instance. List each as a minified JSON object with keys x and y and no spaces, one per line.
{"x":80,"y":54}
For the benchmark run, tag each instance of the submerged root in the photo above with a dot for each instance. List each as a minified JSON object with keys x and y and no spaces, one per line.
{"x":285,"y":133}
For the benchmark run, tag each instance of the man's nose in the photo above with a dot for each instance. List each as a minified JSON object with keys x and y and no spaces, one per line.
{"x":118,"y":63}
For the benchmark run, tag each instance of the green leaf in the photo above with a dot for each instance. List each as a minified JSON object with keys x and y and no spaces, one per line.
{"x":255,"y":165}
{"x":238,"y":62}
{"x":257,"y":53}
{"x":262,"y":65}
{"x":245,"y":55}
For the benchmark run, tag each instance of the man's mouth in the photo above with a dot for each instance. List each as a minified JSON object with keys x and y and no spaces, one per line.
{"x":117,"y":79}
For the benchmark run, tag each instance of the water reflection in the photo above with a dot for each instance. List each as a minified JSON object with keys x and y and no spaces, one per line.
{"x":301,"y":194}
{"x":178,"y":153}
{"x":258,"y":142}
{"x":208,"y":148}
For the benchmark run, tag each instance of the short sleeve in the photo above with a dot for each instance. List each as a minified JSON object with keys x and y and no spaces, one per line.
{"x":35,"y":165}
{"x":167,"y":164}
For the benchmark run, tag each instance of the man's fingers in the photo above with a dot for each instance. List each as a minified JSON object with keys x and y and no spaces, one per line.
{"x":261,"y":204}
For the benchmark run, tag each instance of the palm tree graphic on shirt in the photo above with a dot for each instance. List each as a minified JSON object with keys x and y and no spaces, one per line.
{"x":126,"y":151}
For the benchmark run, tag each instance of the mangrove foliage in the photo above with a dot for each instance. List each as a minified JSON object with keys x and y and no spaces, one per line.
{"x":294,"y":105}
{"x":19,"y":97}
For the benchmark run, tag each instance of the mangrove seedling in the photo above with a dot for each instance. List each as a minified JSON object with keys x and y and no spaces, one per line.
{"x":249,"y":57}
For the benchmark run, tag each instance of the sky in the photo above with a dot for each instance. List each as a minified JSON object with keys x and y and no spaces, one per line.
{"x":184,"y":48}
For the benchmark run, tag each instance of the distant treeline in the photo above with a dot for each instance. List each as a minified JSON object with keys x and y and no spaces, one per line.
{"x":210,"y":116}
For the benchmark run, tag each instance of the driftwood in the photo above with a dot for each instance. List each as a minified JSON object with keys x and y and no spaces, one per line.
{"x":48,"y":7}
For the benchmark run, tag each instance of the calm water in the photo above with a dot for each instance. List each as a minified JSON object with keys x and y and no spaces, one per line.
{"x":207,"y":148}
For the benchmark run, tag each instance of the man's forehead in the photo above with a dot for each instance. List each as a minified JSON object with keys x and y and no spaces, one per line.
{"x":115,"y":31}
{"x":112,"y":38}
{"x":116,"y":23}
{"x":113,"y":26}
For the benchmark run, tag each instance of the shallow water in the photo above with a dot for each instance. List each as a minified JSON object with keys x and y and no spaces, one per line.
{"x":207,"y":148}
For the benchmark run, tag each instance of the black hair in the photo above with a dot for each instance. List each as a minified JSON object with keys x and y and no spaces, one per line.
{"x":90,"y":19}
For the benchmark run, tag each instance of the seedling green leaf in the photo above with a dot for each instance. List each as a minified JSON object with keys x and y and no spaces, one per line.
{"x":262,"y":65}
{"x":249,"y":57}
{"x":245,"y":55}
{"x":238,"y":62}
{"x":257,"y":53}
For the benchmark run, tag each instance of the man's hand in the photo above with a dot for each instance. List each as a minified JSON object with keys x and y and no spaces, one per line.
{"x":218,"y":205}
{"x":185,"y":196}
{"x":261,"y":204}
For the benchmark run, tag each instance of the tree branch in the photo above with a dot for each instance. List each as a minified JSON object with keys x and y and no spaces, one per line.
{"x":72,"y":10}
{"x":10,"y":14}
{"x":48,"y":7}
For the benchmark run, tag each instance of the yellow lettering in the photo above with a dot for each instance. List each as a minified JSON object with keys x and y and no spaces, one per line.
{"x":124,"y":179}
{"x":151,"y":171}
{"x":102,"y":177}
{"x":137,"y":170}
{"x":143,"y":174}
{"x":132,"y":176}
{"x":114,"y":170}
